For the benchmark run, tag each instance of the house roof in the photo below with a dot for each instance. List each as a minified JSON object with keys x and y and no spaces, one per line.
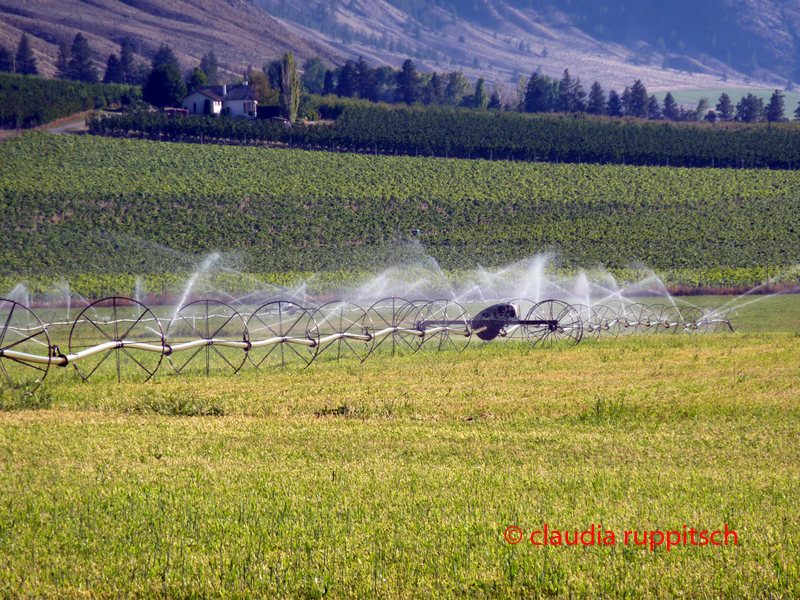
{"x":233,"y":92}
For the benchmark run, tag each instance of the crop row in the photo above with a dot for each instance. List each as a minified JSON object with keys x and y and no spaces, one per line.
{"x":475,"y":134}
{"x":95,"y":205}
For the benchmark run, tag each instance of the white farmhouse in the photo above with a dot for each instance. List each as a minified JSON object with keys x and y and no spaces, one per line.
{"x":239,"y":100}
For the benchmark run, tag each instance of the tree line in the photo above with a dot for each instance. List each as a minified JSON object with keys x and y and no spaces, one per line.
{"x":33,"y":101}
{"x":450,"y":132}
{"x":164,"y":84}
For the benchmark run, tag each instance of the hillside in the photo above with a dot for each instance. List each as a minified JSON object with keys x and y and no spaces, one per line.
{"x":595,"y":41}
{"x":239,"y":33}
{"x":498,"y":39}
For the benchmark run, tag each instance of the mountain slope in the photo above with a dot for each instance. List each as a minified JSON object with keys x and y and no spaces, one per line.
{"x":239,"y":33}
{"x":495,"y":39}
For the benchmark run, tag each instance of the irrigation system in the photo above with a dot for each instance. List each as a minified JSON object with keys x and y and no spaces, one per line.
{"x":120,"y":338}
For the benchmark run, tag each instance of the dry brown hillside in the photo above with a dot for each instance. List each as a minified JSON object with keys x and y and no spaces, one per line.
{"x":239,"y":33}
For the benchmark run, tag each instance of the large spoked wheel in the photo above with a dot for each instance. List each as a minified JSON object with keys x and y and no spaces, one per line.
{"x":640,"y":319}
{"x":342,"y":329}
{"x":223,"y":331}
{"x":22,"y":332}
{"x":553,"y":322}
{"x":669,"y":318}
{"x":280,"y":337}
{"x":391,"y":313}
{"x":602,"y":322}
{"x":693,"y":319}
{"x":116,"y":337}
{"x":447,"y":325}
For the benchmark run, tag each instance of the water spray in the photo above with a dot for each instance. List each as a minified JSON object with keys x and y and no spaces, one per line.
{"x":124,"y":336}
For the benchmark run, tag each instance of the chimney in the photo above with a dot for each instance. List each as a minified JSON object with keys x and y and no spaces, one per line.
{"x":224,"y":90}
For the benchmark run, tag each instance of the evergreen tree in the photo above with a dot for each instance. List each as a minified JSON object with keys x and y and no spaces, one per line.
{"x":457,"y":87}
{"x":775,"y":107}
{"x":625,"y":99}
{"x":62,"y":62}
{"x":408,"y":83}
{"x":638,"y":100}
{"x":364,"y":79}
{"x":346,"y":81}
{"x":578,"y":97}
{"x":435,"y":89}
{"x":614,"y":104}
{"x":495,"y":103}
{"x":314,"y":75}
{"x":113,"y":72}
{"x":564,"y":101}
{"x":653,"y":109}
{"x":164,"y":86}
{"x":750,"y":109}
{"x":273,"y":71}
{"x":210,"y":66}
{"x":6,"y":60}
{"x":81,"y":66}
{"x":196,"y":79}
{"x":127,"y":63}
{"x":725,"y":108}
{"x":329,"y":85}
{"x":597,"y":100}
{"x":25,"y":60}
{"x":481,"y":97}
{"x":571,"y":97}
{"x":540,"y":94}
{"x":670,"y":111}
{"x":290,"y":88}
{"x":165,"y":56}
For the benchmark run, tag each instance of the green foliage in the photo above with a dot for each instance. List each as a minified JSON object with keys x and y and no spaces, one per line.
{"x":164,"y":86}
{"x":290,"y":88}
{"x":436,"y":131}
{"x":314,"y":75}
{"x":80,"y":66}
{"x":196,"y":79}
{"x":91,"y":206}
{"x":33,"y":101}
{"x":25,"y":59}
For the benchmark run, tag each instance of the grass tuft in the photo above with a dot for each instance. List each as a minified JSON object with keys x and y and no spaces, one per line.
{"x":177,"y":406}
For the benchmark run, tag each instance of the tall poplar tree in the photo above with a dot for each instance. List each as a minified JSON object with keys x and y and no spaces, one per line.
{"x":290,"y":88}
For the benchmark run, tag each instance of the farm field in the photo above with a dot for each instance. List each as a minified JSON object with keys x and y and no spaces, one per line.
{"x":407,"y":475}
{"x":105,"y":207}
{"x":399,"y":477}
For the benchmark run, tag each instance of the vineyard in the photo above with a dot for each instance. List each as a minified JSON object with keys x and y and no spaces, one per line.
{"x":452,"y":133}
{"x":103,"y":211}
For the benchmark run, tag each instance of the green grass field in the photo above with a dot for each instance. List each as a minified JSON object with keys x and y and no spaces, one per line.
{"x":399,"y":477}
